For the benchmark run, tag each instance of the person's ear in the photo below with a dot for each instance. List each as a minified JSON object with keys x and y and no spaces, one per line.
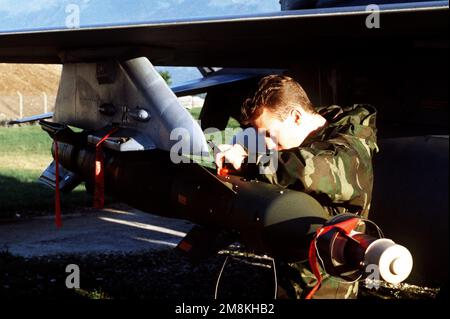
{"x":296,"y":115}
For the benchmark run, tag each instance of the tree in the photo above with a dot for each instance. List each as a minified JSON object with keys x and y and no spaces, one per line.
{"x":166,"y":76}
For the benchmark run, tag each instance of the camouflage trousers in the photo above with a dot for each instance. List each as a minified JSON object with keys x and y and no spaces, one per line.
{"x":295,"y":281}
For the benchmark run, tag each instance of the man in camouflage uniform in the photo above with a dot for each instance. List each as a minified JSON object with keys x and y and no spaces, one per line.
{"x":324,"y":152}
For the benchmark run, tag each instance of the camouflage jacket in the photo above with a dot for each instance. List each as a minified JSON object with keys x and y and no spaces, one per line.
{"x":334,"y":163}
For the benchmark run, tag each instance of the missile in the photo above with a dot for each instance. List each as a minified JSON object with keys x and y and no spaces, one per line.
{"x":355,"y":254}
{"x":267,"y":219}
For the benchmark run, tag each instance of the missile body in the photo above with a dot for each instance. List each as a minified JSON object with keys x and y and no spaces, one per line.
{"x":266,"y":218}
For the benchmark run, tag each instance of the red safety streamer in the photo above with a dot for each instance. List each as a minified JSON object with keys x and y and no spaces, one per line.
{"x":99,"y":190}
{"x":346,"y":227}
{"x":58,"y":219}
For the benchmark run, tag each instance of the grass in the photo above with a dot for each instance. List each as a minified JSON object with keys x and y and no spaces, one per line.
{"x":195,"y":112}
{"x":24,"y":155}
{"x":24,"y":140}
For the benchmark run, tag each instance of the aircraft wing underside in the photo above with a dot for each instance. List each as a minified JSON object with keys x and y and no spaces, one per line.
{"x":265,"y":40}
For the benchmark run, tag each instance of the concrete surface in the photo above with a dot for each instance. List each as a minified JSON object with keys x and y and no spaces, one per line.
{"x":112,"y":230}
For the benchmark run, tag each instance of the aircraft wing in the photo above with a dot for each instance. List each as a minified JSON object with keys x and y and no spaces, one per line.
{"x":33,"y":118}
{"x":265,"y":40}
{"x":213,"y":80}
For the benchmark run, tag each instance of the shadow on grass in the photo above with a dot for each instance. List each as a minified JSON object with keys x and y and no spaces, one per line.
{"x":33,"y":198}
{"x":162,"y":275}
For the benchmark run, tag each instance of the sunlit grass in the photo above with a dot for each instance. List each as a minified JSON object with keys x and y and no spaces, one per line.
{"x":24,"y":141}
{"x":24,"y":154}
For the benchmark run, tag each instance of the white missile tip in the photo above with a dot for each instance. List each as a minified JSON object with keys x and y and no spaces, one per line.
{"x":394,"y":261}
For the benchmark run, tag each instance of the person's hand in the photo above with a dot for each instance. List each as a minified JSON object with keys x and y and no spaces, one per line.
{"x":233,"y":154}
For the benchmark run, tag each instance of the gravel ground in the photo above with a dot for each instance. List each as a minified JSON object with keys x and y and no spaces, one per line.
{"x":147,"y":275}
{"x":156,"y":275}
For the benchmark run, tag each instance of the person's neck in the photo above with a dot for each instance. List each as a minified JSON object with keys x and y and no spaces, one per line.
{"x":310,"y":123}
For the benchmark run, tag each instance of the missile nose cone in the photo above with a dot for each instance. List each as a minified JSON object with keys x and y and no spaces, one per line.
{"x":400,"y":266}
{"x":394,"y":261}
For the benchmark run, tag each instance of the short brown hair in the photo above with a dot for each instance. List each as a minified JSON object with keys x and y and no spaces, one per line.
{"x":279,"y":94}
